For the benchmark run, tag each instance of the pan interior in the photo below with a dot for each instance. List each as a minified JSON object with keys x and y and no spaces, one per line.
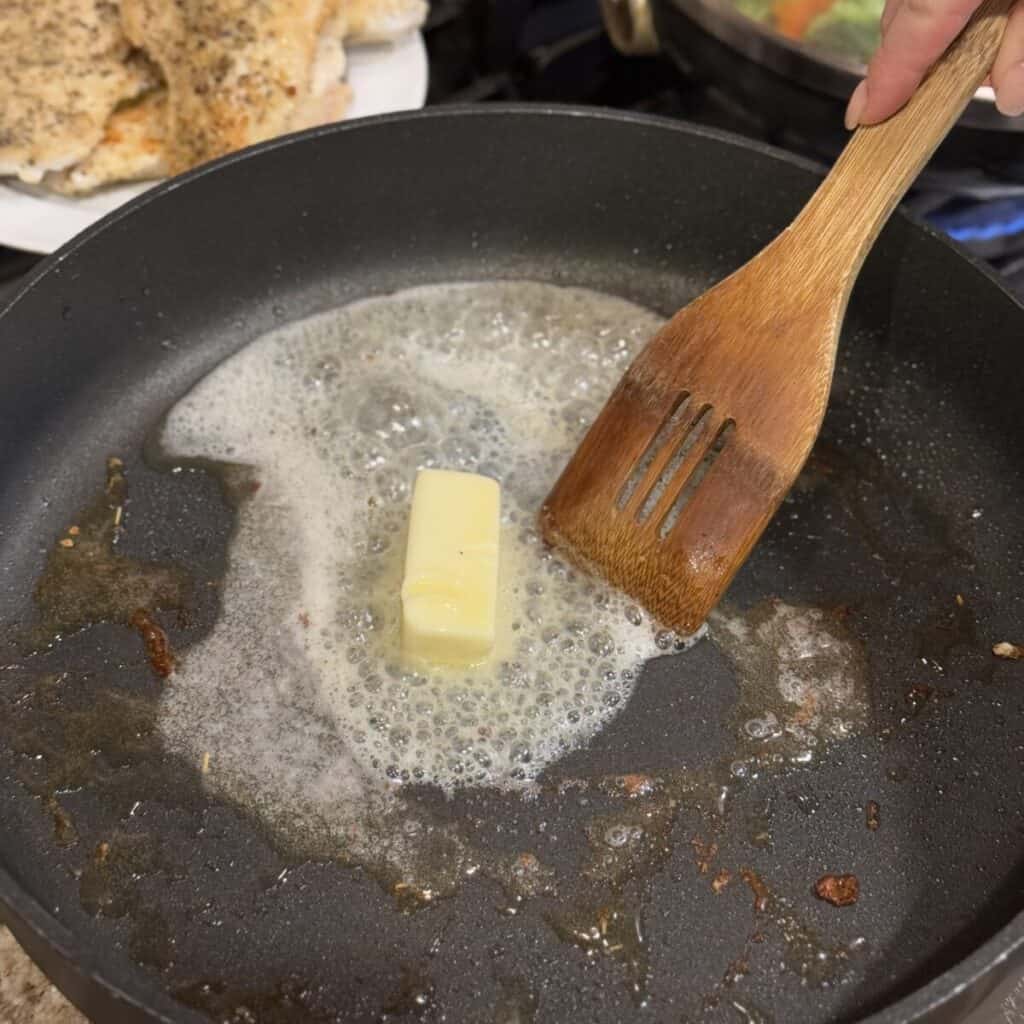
{"x":677,"y":836}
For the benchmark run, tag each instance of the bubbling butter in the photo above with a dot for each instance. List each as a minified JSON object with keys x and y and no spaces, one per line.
{"x":299,"y":693}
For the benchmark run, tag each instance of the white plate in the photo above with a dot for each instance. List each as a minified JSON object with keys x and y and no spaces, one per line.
{"x":384,"y":79}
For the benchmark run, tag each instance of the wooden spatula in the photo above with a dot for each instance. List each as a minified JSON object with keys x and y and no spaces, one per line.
{"x":701,"y":440}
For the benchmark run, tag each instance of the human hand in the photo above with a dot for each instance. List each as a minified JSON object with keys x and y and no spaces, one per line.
{"x":915,"y":33}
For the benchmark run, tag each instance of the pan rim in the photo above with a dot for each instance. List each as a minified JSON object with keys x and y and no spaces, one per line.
{"x":31,"y":923}
{"x":460,"y":110}
{"x":30,"y":920}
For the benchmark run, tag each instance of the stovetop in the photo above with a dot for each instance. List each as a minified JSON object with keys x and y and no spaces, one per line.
{"x":557,"y":51}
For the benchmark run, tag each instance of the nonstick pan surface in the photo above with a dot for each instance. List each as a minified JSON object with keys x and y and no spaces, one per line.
{"x":146,"y":899}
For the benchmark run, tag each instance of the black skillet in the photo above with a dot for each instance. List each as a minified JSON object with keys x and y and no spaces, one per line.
{"x":915,"y":495}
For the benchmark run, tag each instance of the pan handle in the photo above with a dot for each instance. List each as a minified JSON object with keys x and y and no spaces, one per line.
{"x":881,"y":161}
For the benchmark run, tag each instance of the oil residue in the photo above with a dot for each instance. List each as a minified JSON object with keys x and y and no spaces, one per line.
{"x":85,"y":581}
{"x":633,"y":842}
{"x":107,"y":882}
{"x":413,"y":999}
{"x":801,"y":687}
{"x":815,"y":961}
{"x":73,"y":736}
{"x":612,"y":929}
{"x":77,"y":733}
{"x":803,"y":681}
{"x":285,"y":1002}
{"x":517,"y":1003}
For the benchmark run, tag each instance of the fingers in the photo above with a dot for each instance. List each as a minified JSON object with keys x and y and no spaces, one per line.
{"x":916,"y":35}
{"x":858,"y":100}
{"x":1008,"y":72}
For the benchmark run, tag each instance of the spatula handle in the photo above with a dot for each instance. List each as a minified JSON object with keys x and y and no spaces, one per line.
{"x":880,"y":162}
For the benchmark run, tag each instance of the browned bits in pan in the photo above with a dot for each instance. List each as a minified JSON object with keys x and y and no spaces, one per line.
{"x":721,"y":880}
{"x":635,"y":784}
{"x":158,"y":650}
{"x":871,"y":815}
{"x":1015,"y":652}
{"x":703,"y":853}
{"x":64,"y":831}
{"x":839,"y":890}
{"x":758,"y":887}
{"x":632,"y":785}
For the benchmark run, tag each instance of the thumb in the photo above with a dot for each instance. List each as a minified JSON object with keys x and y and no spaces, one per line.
{"x":917,"y":34}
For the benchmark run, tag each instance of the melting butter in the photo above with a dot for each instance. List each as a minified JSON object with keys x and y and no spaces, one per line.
{"x":450,"y":588}
{"x":299,"y":693}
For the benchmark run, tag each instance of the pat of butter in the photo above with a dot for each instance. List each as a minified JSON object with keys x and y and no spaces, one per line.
{"x":450,"y":589}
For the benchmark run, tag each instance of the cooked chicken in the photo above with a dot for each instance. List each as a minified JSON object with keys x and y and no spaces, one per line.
{"x":80,"y":108}
{"x":237,"y":71}
{"x":132,"y":149}
{"x":381,"y":21}
{"x":64,"y":66}
{"x":328,"y":95}
{"x":134,"y":144}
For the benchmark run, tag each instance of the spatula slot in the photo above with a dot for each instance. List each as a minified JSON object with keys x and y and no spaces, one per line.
{"x":668,"y":427}
{"x":684,"y":443}
{"x":718,"y":443}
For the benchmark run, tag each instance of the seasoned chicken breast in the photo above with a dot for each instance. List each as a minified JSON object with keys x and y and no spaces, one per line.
{"x":328,"y":95}
{"x":237,"y":71}
{"x":64,"y":66}
{"x":94,"y":92}
{"x":133,"y":148}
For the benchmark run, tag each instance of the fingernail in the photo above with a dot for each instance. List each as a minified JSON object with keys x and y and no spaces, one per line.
{"x":1010,"y":94}
{"x":858,"y":101}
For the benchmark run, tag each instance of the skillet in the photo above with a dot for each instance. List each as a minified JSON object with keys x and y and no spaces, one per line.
{"x":145,"y":899}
